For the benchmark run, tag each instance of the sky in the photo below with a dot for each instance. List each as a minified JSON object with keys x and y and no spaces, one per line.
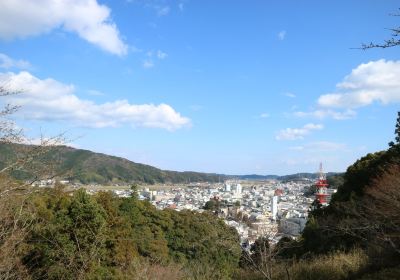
{"x":232,"y":87}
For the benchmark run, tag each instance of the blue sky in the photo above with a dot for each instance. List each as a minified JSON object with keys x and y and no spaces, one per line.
{"x":235,"y":87}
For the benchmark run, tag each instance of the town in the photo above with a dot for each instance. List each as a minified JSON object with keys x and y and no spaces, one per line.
{"x":255,"y":208}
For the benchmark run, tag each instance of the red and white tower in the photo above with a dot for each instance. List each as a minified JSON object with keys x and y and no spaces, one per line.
{"x":321,"y":193}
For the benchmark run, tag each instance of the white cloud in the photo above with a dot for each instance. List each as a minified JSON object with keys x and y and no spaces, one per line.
{"x":327,"y":113}
{"x":375,"y":81}
{"x":296,"y":148}
{"x":51,"y":100}
{"x":89,"y":19}
{"x":264,"y":116}
{"x":148,"y":64}
{"x":161,"y":54}
{"x":7,"y":62}
{"x":151,"y":56}
{"x":162,"y":11}
{"x":282,"y":35}
{"x":297,"y":133}
{"x":289,"y":94}
{"x":181,"y":6}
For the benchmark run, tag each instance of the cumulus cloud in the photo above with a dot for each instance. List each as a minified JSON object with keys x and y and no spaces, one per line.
{"x":289,"y":94}
{"x":161,"y":54}
{"x":297,"y":133}
{"x":375,"y":81}
{"x":7,"y":62}
{"x":282,"y":35}
{"x":51,"y":100}
{"x":89,"y":19}
{"x":327,"y":113}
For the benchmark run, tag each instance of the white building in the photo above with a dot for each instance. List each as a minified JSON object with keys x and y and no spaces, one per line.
{"x":274,"y":207}
{"x":239,"y":189}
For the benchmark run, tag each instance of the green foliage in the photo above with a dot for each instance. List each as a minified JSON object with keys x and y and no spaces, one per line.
{"x":212,"y":205}
{"x":89,"y":167}
{"x":397,"y":133}
{"x":363,"y":212}
{"x":335,"y":181}
{"x":75,"y":235}
{"x":202,"y":238}
{"x":363,"y":171}
{"x":310,"y":190}
{"x":68,"y":238}
{"x":134,"y":190}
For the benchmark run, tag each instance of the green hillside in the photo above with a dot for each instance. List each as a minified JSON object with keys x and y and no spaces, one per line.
{"x":88,"y":167}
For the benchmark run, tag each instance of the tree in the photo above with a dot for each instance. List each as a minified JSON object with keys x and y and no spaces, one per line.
{"x":335,"y":181}
{"x":16,"y":217}
{"x":262,"y":257}
{"x":134,"y":191}
{"x":397,"y":133}
{"x":375,"y":219}
{"x":68,"y":240}
{"x":213,"y":205}
{"x":260,"y":251}
{"x":364,"y":211}
{"x":391,"y":42}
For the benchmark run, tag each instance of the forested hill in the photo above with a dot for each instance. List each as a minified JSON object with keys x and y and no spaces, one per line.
{"x":89,"y":167}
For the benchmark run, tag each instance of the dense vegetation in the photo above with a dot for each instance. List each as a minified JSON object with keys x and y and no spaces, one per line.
{"x":88,"y":167}
{"x":79,"y":236}
{"x":364,"y":213}
{"x":53,"y":234}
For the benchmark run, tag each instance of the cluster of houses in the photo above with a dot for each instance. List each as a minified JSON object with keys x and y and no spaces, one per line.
{"x":268,"y":208}
{"x":254,"y":208}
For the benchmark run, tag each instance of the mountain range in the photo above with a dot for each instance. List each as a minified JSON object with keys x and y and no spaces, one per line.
{"x":86,"y":167}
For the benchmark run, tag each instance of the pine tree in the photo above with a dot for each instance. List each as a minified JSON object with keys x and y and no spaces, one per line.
{"x":397,"y":133}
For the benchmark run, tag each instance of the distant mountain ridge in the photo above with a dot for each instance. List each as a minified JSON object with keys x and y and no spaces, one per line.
{"x":89,"y":167}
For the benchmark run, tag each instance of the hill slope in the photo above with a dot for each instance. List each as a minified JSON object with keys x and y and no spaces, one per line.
{"x":89,"y":167}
